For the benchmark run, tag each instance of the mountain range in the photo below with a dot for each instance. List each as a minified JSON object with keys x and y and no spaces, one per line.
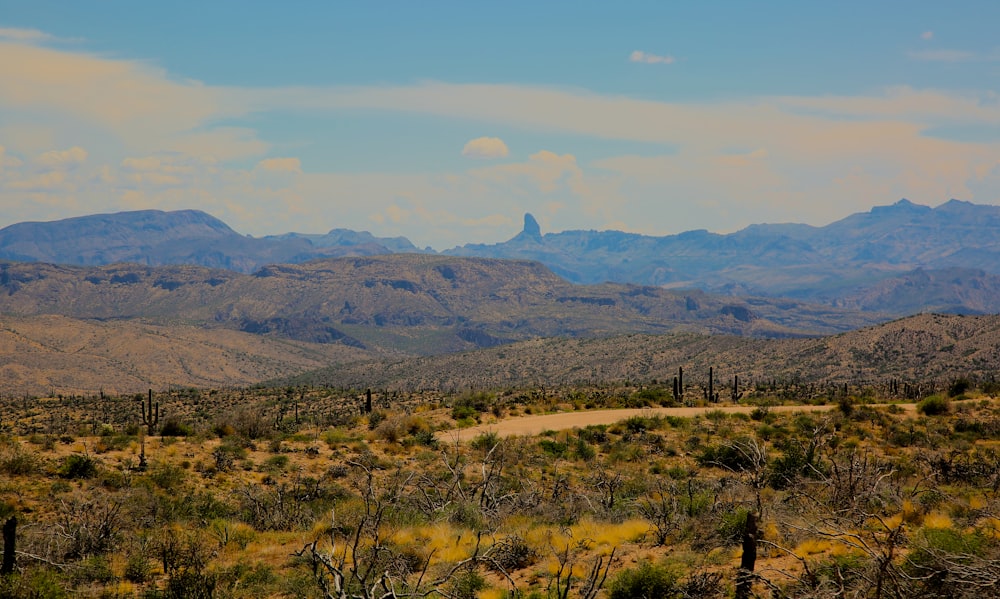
{"x":896,"y":260}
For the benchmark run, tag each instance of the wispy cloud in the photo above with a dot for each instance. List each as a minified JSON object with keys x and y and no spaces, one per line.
{"x":647,"y":58}
{"x":927,"y":35}
{"x":25,"y":35}
{"x":281,"y":165}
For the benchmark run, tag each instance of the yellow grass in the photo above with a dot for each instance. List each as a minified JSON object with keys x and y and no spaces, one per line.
{"x":449,"y":543}
{"x":937,"y":520}
{"x":812,"y":547}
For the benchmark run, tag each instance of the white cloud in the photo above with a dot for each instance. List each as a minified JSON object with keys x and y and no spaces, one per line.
{"x":927,"y":35}
{"x":59,"y":159}
{"x":485,"y":147}
{"x":644,"y":57}
{"x":733,"y":162}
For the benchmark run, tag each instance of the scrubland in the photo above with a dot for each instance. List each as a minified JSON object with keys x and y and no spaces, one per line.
{"x":308,"y":492}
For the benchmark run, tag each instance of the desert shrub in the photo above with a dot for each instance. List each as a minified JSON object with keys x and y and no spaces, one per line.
{"x":251,"y":424}
{"x":375,"y":419}
{"x":762,"y":414}
{"x":555,"y":449}
{"x":512,"y":553}
{"x":959,"y":386}
{"x":646,"y":581}
{"x":485,"y":441}
{"x":651,"y":396}
{"x":468,"y":515}
{"x":733,"y":525}
{"x":462,"y":412}
{"x":991,"y":388}
{"x":583,"y":450}
{"x":466,"y":584}
{"x":275,"y":463}
{"x":426,"y":438}
{"x":728,"y":456}
{"x":78,"y":466}
{"x":784,"y":470}
{"x":14,"y":460}
{"x":167,"y":476}
{"x":471,"y":405}
{"x":137,"y":568}
{"x":189,"y":584}
{"x":173,"y":427}
{"x":94,"y":569}
{"x":33,"y":584}
{"x":398,"y":428}
{"x":594,"y":434}
{"x":934,"y":405}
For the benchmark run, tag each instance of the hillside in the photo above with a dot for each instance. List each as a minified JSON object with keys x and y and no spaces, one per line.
{"x":49,"y":355}
{"x":924,"y":347}
{"x":405,"y":302}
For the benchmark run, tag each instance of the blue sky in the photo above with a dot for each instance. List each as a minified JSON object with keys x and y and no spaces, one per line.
{"x":446,"y":121}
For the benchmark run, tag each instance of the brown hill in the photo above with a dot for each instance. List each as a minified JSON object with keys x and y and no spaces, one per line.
{"x":422,"y":304}
{"x":919,"y":348}
{"x":59,"y":355}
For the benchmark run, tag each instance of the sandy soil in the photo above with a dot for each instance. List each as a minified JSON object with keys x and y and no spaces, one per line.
{"x":533,"y":425}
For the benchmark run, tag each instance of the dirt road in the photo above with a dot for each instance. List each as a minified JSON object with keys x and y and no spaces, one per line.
{"x":533,"y":425}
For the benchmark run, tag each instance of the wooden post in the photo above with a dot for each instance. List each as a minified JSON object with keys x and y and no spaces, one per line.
{"x":744,"y":576}
{"x":9,"y":540}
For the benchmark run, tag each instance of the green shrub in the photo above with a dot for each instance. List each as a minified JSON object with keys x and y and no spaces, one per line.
{"x":78,"y":466}
{"x":553,"y":448}
{"x":647,"y":581}
{"x":173,"y":427}
{"x":137,"y":568}
{"x":275,"y":463}
{"x":485,"y":441}
{"x":727,"y":455}
{"x":466,"y":584}
{"x":934,"y":405}
{"x":733,"y":525}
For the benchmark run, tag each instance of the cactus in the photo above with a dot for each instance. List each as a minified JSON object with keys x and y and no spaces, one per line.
{"x":368,"y":401}
{"x":679,"y":384}
{"x":150,"y":413}
{"x":711,"y":395}
{"x":736,"y":394}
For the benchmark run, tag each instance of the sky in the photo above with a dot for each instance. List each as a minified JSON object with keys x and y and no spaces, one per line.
{"x":446,"y":121}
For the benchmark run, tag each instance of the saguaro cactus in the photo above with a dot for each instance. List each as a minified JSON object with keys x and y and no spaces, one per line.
{"x":150,"y":413}
{"x":679,"y":384}
{"x":711,"y":396}
{"x":736,"y":393}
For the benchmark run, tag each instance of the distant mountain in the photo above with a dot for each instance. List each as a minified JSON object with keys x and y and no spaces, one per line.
{"x":841,"y":263}
{"x":153,"y":237}
{"x":921,"y":349}
{"x":897,"y":260}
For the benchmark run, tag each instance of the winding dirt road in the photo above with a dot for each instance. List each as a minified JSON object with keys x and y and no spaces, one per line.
{"x":533,"y":425}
